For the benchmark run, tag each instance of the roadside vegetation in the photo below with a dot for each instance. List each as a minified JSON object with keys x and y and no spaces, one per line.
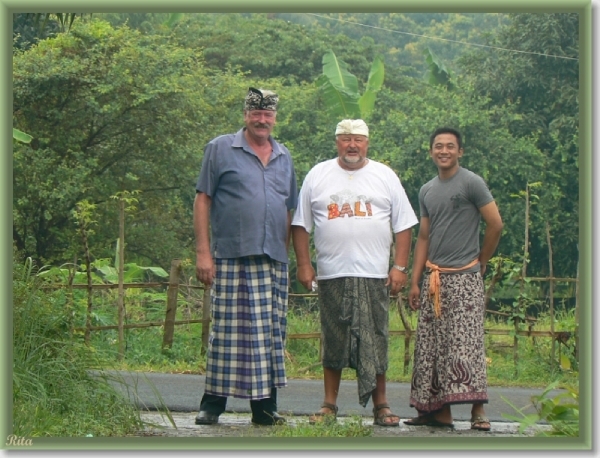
{"x":53,"y":392}
{"x":144,"y":352}
{"x":533,"y":367}
{"x":354,"y":427}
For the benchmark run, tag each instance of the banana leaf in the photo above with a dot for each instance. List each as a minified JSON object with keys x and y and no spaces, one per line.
{"x":339,"y":103}
{"x":339,"y":87}
{"x":21,"y":136}
{"x":437,"y":74}
{"x":337,"y":72}
{"x":366,"y":102}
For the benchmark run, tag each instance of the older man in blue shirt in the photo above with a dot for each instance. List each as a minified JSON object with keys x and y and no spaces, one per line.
{"x":244,"y":197}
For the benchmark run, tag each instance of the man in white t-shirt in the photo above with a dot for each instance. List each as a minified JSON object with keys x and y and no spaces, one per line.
{"x":355,"y":206}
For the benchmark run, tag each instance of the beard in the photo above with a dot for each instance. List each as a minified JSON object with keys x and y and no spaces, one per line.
{"x":353,"y":160}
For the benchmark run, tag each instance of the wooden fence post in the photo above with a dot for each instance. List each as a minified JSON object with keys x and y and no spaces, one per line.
{"x":522,"y":288}
{"x":407,"y":334}
{"x":205,"y":319}
{"x":551,"y":293}
{"x":171,"y":303}
{"x":121,"y":273}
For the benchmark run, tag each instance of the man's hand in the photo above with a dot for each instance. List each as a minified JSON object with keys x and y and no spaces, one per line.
{"x":396,"y":281}
{"x":205,"y":269}
{"x":414,"y":297}
{"x":306,"y":276}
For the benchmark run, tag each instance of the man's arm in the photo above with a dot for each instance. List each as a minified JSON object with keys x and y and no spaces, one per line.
{"x":493,"y":230}
{"x":304,"y":270}
{"x":419,"y":260}
{"x":289,"y":230}
{"x":398,"y":279}
{"x":204,"y":262}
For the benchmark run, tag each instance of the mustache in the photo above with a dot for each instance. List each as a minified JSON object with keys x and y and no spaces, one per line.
{"x":262,"y":124}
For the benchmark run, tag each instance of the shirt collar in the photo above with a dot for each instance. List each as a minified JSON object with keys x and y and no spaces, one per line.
{"x":239,"y":141}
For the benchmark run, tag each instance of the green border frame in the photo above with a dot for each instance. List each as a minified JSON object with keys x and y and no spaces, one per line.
{"x":584,"y":442}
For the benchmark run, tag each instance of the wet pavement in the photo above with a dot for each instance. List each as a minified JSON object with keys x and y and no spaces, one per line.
{"x":182,"y":393}
{"x":239,"y":425}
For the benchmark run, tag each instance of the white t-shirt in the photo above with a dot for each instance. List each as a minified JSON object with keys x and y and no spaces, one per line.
{"x":354,"y":214}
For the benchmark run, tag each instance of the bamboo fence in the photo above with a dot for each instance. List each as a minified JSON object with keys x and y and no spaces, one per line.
{"x":174,"y":287}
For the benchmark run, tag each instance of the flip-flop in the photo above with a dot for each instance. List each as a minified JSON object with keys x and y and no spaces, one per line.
{"x":480,"y":423}
{"x":439,"y":424}
{"x":421,"y":420}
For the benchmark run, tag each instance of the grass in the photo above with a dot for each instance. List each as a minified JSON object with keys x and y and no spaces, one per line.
{"x":353,"y":427}
{"x":53,"y":392}
{"x":561,"y":412}
{"x":144,"y":353}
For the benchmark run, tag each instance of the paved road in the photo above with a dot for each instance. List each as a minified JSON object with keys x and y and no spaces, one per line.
{"x":182,"y":392}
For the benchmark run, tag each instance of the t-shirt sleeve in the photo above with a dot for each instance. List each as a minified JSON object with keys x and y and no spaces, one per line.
{"x":479,"y":192}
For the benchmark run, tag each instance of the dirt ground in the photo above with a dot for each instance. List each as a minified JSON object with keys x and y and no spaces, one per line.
{"x":236,"y":425}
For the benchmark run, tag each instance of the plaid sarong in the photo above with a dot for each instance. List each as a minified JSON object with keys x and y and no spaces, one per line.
{"x":249,"y":300}
{"x":449,"y":361}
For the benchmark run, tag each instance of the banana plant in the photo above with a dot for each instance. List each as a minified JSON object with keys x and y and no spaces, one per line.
{"x":437,"y":74}
{"x":173,"y":19}
{"x":340,"y":88}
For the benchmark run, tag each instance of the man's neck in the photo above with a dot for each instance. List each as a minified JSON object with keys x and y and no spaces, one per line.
{"x":448,"y":173}
{"x":260,"y":142}
{"x":352,"y":167}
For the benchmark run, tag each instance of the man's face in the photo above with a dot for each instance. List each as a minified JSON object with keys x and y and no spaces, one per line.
{"x":260,"y":123}
{"x":445,"y":152}
{"x":352,"y":149}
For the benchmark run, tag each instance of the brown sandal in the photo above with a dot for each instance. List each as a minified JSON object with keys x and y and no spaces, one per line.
{"x":320,"y":417}
{"x":480,"y":423}
{"x":379,"y":420}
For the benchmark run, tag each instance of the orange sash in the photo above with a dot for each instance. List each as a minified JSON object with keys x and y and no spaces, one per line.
{"x":434,"y":281}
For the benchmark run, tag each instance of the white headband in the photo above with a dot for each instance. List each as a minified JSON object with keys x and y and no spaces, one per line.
{"x":352,"y":126}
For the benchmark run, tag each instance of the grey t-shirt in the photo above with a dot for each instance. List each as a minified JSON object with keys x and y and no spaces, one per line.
{"x":452,"y":206}
{"x":249,"y":201}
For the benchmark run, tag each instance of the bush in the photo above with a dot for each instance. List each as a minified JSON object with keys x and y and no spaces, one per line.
{"x":53,"y":392}
{"x":561,"y":412}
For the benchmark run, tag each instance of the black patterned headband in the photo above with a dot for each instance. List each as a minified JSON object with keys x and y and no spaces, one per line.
{"x":260,"y":99}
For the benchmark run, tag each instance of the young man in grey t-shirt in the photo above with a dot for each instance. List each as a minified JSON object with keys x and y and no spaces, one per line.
{"x":449,"y":360}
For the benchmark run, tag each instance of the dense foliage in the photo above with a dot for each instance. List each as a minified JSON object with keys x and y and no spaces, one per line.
{"x":126,"y":103}
{"x":54,"y":394}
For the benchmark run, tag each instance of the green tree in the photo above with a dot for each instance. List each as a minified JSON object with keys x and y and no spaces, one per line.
{"x":540,"y":80}
{"x":28,"y":28}
{"x":264,"y":47}
{"x":109,"y":109}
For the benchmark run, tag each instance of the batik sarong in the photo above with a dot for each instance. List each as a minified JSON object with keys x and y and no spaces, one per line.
{"x":354,"y":326}
{"x":249,"y":300}
{"x":449,"y":358}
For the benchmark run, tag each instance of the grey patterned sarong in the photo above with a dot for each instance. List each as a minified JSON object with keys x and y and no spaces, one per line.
{"x":354,"y":327}
{"x":449,"y":359}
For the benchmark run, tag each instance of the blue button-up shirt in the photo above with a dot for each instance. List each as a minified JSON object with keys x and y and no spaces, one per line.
{"x":249,"y":201}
